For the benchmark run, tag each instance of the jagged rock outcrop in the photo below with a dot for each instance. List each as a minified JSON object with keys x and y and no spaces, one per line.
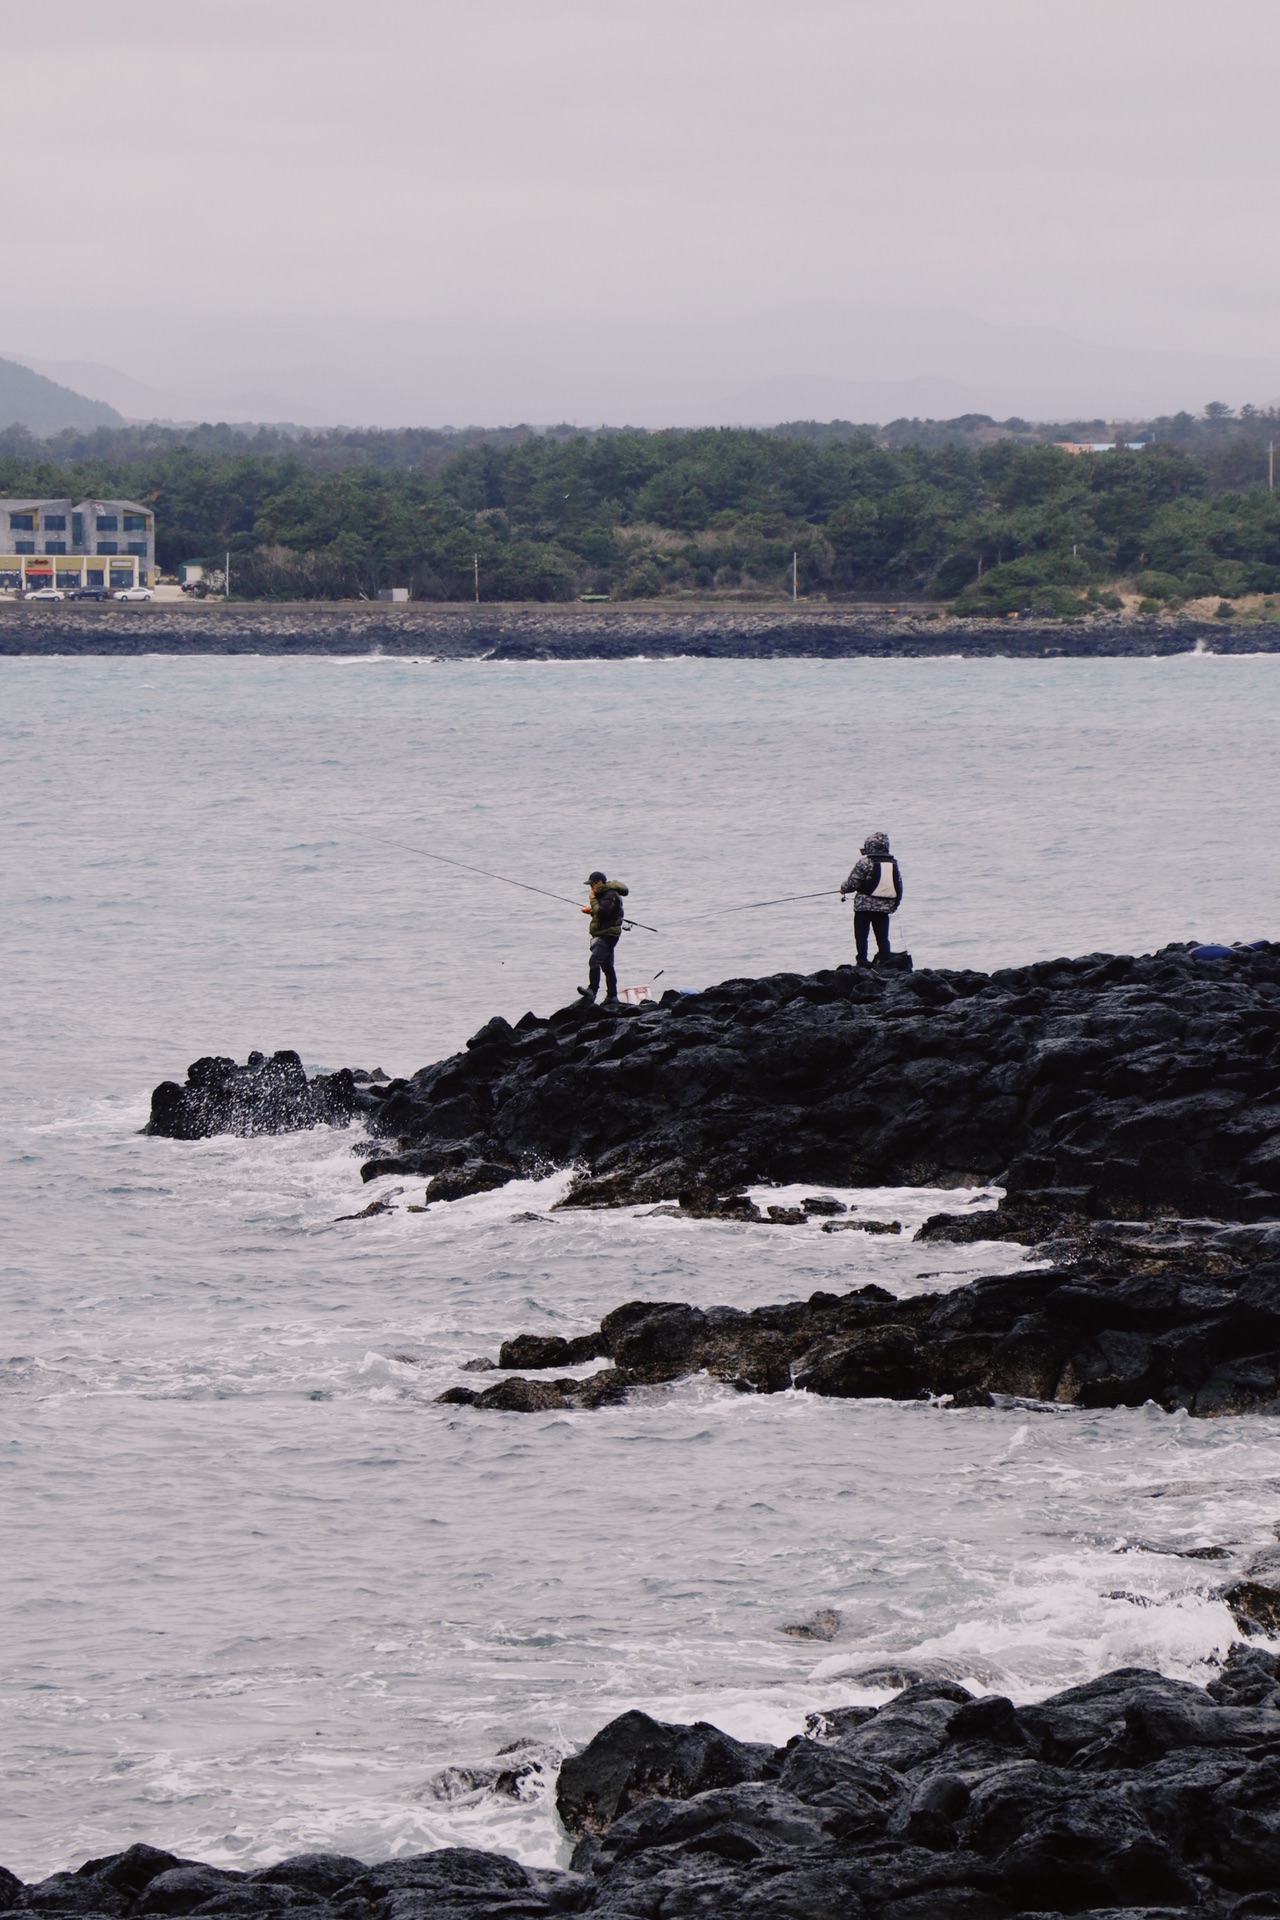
{"x":1187,"y":1316}
{"x":1124,"y":1086}
{"x":1129,"y":1794}
{"x":446,"y":1885}
{"x":1094,"y":1089}
{"x":264,"y":1096}
{"x":1139,"y":1085}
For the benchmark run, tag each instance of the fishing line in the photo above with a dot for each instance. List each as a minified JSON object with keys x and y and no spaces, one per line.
{"x":505,"y":878}
{"x":753,"y":906}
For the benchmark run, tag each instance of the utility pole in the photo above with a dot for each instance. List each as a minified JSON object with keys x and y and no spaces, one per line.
{"x":226,"y":578}
{"x":795,"y":578}
{"x":476,"y":559}
{"x":1271,"y":467}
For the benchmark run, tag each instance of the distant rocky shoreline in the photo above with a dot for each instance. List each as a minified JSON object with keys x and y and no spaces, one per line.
{"x":457,"y":631}
{"x":1130,"y":1793}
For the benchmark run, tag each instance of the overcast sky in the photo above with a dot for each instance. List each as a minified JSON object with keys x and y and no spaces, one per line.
{"x":467,"y":202}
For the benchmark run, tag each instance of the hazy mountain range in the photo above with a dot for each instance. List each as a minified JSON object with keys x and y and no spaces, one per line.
{"x":44,"y":406}
{"x":865,"y":363}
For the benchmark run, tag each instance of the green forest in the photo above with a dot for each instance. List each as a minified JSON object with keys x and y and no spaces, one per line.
{"x":978,"y":516}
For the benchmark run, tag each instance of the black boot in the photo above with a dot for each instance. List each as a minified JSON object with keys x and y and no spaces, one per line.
{"x":588,"y":993}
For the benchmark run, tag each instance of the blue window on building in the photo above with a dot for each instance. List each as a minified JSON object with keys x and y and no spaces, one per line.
{"x":137,"y":546}
{"x":22,"y":522}
{"x":55,"y":546}
{"x":108,"y":523}
{"x":55,"y":523}
{"x":135,"y":523}
{"x":24,"y":546}
{"x":108,"y":546}
{"x":77,"y":529}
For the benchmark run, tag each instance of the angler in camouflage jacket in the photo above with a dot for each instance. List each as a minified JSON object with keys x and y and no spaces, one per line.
{"x":876,"y":885}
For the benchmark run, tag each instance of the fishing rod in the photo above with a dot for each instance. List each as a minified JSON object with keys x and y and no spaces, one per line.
{"x":505,"y":878}
{"x":753,"y":906}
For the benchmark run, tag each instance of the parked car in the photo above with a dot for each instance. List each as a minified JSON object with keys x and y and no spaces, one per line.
{"x":132,"y":593}
{"x":44,"y":593}
{"x":89,"y":593}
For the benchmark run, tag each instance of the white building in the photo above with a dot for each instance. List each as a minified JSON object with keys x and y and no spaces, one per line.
{"x":69,"y":543}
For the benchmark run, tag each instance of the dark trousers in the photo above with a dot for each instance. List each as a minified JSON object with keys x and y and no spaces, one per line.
{"x":862,"y":926}
{"x":602,"y":963}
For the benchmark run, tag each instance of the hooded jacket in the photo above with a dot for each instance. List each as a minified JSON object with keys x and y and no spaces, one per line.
{"x":877,"y":868}
{"x":606,"y":911}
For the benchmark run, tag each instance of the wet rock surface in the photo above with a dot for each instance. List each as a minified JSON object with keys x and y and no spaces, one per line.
{"x":1111,"y":1085}
{"x":264,"y":1096}
{"x":1185,"y":1314}
{"x":1111,"y":1096}
{"x":445,"y":1885}
{"x":1130,"y":1794}
{"x":1121,"y":1085}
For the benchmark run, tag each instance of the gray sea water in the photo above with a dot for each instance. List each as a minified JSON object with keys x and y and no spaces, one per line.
{"x":257,"y":1591}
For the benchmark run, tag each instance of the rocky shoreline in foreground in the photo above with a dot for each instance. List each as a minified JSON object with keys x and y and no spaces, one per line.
{"x":1130,"y":1794}
{"x":626,"y":630}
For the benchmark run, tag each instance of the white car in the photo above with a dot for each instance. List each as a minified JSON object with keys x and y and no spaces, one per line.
{"x":132,"y":593}
{"x":44,"y":593}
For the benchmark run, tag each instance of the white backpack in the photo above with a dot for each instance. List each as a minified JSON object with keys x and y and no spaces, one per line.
{"x":885,"y":887}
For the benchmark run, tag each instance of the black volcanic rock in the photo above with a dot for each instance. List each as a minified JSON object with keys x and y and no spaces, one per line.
{"x":473,"y":1176}
{"x":1130,"y":1086}
{"x":1135,"y":1086}
{"x":1131,"y":1794}
{"x":549,"y":1350}
{"x":263,"y":1096}
{"x":1100,"y":1092}
{"x":635,"y":1759}
{"x":454,"y":1883}
{"x":1187,"y":1316}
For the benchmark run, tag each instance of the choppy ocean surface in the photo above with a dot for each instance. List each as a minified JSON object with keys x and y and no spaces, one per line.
{"x":258,"y":1592}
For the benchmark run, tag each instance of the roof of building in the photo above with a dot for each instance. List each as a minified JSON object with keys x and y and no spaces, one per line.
{"x":29,"y":502}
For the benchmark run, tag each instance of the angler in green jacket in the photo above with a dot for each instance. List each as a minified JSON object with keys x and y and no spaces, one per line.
{"x":607,"y":916}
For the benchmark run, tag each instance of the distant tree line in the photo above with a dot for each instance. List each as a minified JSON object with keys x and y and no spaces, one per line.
{"x":988,"y":517}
